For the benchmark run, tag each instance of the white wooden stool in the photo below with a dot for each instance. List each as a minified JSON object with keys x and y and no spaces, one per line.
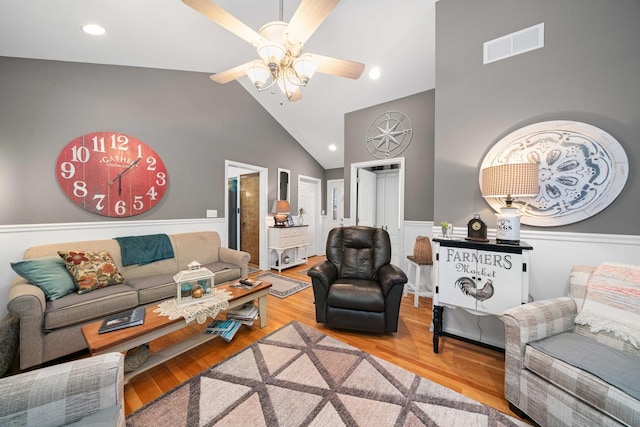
{"x":416,"y":287}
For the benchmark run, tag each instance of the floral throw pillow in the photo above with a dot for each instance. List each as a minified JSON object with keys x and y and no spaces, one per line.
{"x":91,"y":270}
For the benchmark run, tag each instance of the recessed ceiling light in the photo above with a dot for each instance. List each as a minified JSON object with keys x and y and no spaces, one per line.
{"x":374,"y":73}
{"x":93,"y":29}
{"x":332,"y":147}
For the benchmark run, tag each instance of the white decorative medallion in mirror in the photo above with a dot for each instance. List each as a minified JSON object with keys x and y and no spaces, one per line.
{"x":388,"y":135}
{"x":582,"y":170}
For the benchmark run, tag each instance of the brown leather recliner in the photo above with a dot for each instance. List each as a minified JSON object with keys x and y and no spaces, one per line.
{"x":356,"y":287}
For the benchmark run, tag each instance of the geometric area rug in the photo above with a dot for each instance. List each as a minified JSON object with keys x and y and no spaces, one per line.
{"x":298,"y":376}
{"x":282,"y":286}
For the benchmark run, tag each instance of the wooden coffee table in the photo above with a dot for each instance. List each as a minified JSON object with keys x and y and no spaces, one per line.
{"x":156,"y":326}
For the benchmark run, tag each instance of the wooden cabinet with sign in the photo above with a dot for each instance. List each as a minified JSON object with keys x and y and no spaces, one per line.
{"x":287,"y":246}
{"x":482,"y":278}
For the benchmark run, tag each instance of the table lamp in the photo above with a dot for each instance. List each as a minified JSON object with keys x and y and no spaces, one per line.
{"x":280,"y":210}
{"x":509,"y":181}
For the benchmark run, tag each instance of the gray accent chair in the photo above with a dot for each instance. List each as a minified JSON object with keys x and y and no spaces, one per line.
{"x":553,"y":392}
{"x":85,"y":392}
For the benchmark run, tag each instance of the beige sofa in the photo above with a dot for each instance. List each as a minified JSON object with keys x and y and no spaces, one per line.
{"x":554,"y":366}
{"x":51,"y":329}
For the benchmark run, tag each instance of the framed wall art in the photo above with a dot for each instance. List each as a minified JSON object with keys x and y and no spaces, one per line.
{"x":582,"y":169}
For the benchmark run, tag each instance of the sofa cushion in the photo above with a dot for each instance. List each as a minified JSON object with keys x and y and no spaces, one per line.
{"x":223,"y":271}
{"x":153,"y":288}
{"x":49,"y":274}
{"x":91,"y":269}
{"x":615,"y":367}
{"x":79,"y":308}
{"x":582,"y":384}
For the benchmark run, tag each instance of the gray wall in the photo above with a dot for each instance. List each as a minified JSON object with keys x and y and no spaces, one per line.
{"x":418,"y":204}
{"x":191,"y":122}
{"x":588,"y":71}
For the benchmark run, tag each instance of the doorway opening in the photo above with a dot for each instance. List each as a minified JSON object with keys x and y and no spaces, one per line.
{"x":246,"y":208}
{"x":377,"y":199}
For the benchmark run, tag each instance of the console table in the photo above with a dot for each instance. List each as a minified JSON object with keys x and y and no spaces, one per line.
{"x":482,"y":278}
{"x":290,"y":246}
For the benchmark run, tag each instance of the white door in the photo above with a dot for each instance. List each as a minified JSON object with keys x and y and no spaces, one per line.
{"x":367,"y":184}
{"x":387,"y":209}
{"x":309,"y":200}
{"x":335,"y":203}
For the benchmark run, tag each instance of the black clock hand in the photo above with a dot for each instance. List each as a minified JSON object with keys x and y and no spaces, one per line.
{"x":119,"y":176}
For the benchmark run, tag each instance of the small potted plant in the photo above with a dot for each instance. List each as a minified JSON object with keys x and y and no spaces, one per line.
{"x":445,"y":226}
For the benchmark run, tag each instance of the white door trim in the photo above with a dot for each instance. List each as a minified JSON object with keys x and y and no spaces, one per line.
{"x":353,"y":194}
{"x":264,"y":186}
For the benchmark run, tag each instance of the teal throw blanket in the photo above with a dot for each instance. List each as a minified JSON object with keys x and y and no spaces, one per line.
{"x":143,"y":250}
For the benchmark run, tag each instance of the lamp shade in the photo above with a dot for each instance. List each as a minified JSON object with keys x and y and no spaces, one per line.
{"x":281,"y":207}
{"x":510,"y":180}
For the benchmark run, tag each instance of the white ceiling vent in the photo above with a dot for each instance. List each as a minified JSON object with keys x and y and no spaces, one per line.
{"x":514,"y":44}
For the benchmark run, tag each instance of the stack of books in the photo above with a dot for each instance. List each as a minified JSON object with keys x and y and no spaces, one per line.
{"x":244,"y":315}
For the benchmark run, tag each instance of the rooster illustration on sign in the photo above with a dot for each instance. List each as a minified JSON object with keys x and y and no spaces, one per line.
{"x":469,"y":287}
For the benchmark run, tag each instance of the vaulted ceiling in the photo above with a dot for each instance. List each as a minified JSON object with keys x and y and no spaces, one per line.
{"x":396,"y":36}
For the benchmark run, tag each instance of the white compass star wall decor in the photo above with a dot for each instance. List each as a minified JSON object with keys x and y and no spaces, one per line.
{"x":388,"y":135}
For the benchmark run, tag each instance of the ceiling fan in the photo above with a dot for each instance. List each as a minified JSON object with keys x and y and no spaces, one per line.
{"x":279,"y":46}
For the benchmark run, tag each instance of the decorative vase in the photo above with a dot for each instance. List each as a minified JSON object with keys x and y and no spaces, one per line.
{"x":286,"y":259}
{"x":300,"y":220}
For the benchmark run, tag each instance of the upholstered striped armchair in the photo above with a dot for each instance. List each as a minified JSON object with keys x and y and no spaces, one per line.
{"x":85,"y":392}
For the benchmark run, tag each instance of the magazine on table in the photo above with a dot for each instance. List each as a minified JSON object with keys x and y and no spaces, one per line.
{"x":224,"y":328}
{"x":248,"y":312}
{"x":246,"y":283}
{"x":125,"y":319}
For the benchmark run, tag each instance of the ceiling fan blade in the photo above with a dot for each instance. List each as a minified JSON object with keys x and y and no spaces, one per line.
{"x":225,"y":20}
{"x":338,"y":67}
{"x":308,"y":17}
{"x":231,"y":74}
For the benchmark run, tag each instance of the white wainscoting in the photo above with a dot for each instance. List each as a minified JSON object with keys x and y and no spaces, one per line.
{"x":15,"y":239}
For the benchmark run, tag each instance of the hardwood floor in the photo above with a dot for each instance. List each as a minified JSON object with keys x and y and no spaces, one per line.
{"x":469,"y":369}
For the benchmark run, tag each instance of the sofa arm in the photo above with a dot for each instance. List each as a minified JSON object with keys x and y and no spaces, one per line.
{"x":527,"y":323}
{"x":322,"y":276}
{"x":28,"y":302}
{"x":236,"y":257}
{"x":389,"y":276}
{"x":71,"y":392}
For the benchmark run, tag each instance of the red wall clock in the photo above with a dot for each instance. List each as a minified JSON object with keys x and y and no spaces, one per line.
{"x":111,"y":174}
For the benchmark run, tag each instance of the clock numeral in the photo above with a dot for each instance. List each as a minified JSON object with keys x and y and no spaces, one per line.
{"x":152,"y":193}
{"x":120,"y":142}
{"x":67,"y":170}
{"x":137,"y":203}
{"x":80,"y":154}
{"x":139,"y":151}
{"x":161,"y":178}
{"x":151,"y":163}
{"x":80,"y":189}
{"x":100,"y":199}
{"x":98,"y":144}
{"x":120,"y":208}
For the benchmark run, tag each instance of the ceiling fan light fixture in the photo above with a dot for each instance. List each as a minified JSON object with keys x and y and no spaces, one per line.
{"x":258,"y":73}
{"x":271,"y":53}
{"x":305,"y":67}
{"x":289,"y":82}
